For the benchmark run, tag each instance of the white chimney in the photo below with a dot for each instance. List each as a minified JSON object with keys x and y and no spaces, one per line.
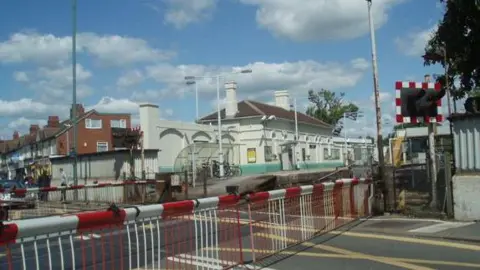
{"x":231,"y":106}
{"x":282,"y":99}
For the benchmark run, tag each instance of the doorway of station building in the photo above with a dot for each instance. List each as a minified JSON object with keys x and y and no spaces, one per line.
{"x":287,"y":157}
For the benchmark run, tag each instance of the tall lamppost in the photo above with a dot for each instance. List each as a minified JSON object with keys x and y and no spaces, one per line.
{"x":217,"y":78}
{"x":196,"y":98}
{"x":389,"y":188}
{"x":74,"y":91}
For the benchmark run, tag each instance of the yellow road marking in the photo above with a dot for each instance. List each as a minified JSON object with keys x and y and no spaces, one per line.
{"x":342,"y":256}
{"x":410,"y":240}
{"x":352,"y":254}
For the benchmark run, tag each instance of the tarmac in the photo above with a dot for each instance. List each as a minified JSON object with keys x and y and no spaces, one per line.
{"x":388,"y":243}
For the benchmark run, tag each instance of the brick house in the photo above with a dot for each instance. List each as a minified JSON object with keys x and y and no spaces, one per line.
{"x":94,"y":131}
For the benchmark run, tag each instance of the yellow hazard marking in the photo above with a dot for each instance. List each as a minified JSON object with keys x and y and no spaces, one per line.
{"x":412,"y":240}
{"x":352,"y":254}
{"x":342,"y":256}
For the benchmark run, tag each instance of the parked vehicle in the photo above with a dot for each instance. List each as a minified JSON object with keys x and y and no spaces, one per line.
{"x":9,"y":198}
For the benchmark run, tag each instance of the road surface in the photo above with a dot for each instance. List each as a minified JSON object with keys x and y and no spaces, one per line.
{"x":356,"y":250}
{"x":366,"y":244}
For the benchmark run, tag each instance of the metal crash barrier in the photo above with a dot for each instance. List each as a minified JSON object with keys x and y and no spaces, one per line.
{"x":225,"y":232}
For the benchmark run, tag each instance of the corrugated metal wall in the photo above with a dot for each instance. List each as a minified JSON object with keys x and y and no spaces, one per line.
{"x":466,"y":135}
{"x":105,"y":167}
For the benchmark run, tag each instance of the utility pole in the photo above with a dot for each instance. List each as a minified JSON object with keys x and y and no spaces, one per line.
{"x":432,"y":157}
{"x":388,"y":182}
{"x":74,"y":92}
{"x":296,"y":133}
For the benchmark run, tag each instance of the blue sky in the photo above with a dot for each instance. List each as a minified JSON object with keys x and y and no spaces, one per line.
{"x":134,"y":51}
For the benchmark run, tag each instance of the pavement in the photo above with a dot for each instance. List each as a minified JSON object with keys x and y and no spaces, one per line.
{"x":378,"y":243}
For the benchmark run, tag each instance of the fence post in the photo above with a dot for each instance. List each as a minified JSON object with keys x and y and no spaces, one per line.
{"x":448,"y":184}
{"x":185,"y":182}
{"x":205,"y":177}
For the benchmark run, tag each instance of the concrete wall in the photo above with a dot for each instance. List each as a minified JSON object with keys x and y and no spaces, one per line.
{"x":466,"y":189}
{"x":466,"y":181}
{"x":105,"y":166}
{"x":466,"y":137}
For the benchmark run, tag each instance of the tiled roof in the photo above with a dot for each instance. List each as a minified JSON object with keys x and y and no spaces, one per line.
{"x":250,"y":108}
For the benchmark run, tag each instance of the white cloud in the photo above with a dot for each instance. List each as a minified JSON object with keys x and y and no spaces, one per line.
{"x":23,"y":123}
{"x":48,"y":49}
{"x":384,"y":97}
{"x":130,"y":78}
{"x":413,"y":44}
{"x":118,"y":50}
{"x":124,"y":105}
{"x":26,"y":107}
{"x":20,"y":76}
{"x":181,"y":13}
{"x":319,"y":19}
{"x":54,"y":84}
{"x":113,"y":105}
{"x":169,"y":112}
{"x":297,"y":77}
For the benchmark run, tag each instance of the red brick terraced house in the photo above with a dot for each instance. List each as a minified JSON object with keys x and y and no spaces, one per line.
{"x":94,"y":131}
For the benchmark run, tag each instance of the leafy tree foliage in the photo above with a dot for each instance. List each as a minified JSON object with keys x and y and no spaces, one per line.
{"x":328,"y":106}
{"x":455,"y":44}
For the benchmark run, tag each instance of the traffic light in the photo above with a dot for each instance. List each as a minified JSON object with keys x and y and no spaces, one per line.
{"x":419,"y":102}
{"x":472,"y":105}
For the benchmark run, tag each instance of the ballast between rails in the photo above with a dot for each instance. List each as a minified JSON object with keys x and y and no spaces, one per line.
{"x":20,"y":191}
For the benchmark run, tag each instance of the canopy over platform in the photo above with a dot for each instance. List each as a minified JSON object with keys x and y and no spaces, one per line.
{"x":195,"y":154}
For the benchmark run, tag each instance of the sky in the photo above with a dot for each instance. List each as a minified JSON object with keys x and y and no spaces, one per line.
{"x":131,"y":52}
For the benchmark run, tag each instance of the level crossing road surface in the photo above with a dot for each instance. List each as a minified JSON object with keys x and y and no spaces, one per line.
{"x":383,"y":245}
{"x":364,"y":244}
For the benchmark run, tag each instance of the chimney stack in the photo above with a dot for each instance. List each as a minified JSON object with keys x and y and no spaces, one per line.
{"x":16,"y":135}
{"x":80,"y":110}
{"x":53,"y":122}
{"x":231,"y":105}
{"x":34,"y":129}
{"x":282,"y":99}
{"x":427,"y":78}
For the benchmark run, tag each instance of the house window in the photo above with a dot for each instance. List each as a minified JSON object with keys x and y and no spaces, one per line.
{"x":102,"y":146}
{"x":268,"y":153}
{"x":304,"y":154}
{"x":121,"y":123}
{"x":93,"y":123}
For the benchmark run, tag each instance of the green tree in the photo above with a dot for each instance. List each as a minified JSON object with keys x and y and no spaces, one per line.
{"x":455,"y":44}
{"x":328,"y":106}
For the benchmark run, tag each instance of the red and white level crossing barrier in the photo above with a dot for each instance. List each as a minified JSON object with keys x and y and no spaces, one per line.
{"x":213,"y":233}
{"x":45,"y":201}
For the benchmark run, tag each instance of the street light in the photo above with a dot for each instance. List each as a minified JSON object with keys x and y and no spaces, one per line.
{"x":74,"y":92}
{"x":194,"y":79}
{"x":381,"y":162}
{"x":196,"y":97}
